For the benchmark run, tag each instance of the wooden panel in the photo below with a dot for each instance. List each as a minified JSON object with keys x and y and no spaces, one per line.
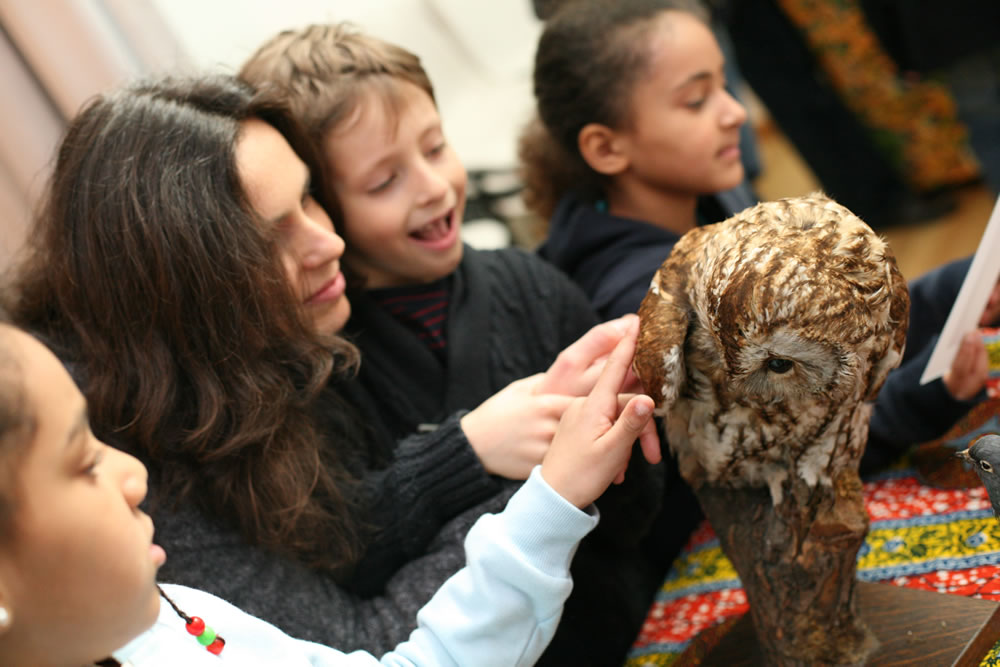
{"x":914,"y":627}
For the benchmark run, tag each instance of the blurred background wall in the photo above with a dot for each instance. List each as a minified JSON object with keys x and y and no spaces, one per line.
{"x":54,"y":54}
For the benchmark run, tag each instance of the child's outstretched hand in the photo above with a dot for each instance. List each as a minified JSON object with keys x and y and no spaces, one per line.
{"x":970,"y":369}
{"x":594,"y":439}
{"x":576,"y":369}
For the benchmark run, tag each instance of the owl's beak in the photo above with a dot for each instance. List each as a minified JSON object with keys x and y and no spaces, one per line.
{"x":964,"y":454}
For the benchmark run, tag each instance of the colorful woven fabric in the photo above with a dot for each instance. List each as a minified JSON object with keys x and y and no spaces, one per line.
{"x":941,"y":539}
{"x":991,"y":337}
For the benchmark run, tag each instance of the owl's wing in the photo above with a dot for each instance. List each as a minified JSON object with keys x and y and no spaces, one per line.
{"x":899,"y":318}
{"x":663,"y":324}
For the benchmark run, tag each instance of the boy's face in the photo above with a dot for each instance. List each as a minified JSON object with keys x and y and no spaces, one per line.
{"x":79,"y":575}
{"x":276,"y":181}
{"x":401,"y":190}
{"x":684,"y":130}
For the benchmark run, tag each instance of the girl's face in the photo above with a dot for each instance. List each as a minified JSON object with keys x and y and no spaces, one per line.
{"x":276,"y":181}
{"x":79,"y":575}
{"x":683,"y":135}
{"x":401,"y":189}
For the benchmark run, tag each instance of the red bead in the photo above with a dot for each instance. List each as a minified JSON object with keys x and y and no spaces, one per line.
{"x":216,"y":646}
{"x":196,"y":626}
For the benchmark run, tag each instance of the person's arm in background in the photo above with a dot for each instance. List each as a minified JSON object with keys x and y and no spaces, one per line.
{"x":907,"y":413}
{"x":931,"y":297}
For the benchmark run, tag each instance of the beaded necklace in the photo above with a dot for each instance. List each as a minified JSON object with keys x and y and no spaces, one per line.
{"x":205,"y":635}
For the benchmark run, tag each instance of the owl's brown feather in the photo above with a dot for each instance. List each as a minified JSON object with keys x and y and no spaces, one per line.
{"x":762,"y":336}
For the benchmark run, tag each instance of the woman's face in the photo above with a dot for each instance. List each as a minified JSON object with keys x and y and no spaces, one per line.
{"x":277,"y":184}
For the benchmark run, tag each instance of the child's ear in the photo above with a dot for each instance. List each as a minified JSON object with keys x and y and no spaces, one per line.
{"x":599,"y":146}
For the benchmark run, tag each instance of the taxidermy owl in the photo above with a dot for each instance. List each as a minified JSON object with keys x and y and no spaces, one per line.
{"x":763,"y":337}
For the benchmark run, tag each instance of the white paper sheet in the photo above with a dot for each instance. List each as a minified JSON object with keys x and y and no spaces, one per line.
{"x":971,"y":300}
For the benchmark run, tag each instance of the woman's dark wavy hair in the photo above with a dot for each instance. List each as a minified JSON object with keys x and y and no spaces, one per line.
{"x":150,"y":274}
{"x":590,"y":55}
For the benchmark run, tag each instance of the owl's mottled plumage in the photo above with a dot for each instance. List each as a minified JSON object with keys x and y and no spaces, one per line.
{"x":763,"y":336}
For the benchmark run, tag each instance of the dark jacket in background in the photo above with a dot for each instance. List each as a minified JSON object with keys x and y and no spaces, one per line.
{"x":926,"y":35}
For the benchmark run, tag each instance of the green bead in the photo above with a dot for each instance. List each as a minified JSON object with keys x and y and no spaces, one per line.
{"x":207,"y":637}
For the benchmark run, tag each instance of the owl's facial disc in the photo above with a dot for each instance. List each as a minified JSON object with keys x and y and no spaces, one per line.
{"x":786,"y":366}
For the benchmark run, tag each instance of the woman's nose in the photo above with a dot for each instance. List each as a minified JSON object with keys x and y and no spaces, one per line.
{"x":320,"y":243}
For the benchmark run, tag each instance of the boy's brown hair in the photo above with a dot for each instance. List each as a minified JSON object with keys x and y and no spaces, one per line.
{"x":323,"y":72}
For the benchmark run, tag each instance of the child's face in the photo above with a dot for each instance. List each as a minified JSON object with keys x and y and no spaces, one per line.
{"x":79,"y":574}
{"x":684,"y":130}
{"x":401,"y":189}
{"x":276,"y":181}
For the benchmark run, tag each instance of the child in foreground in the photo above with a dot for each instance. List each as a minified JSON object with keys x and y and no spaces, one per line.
{"x":78,"y":565}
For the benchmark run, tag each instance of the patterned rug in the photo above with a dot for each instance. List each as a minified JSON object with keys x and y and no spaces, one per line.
{"x":940,"y":537}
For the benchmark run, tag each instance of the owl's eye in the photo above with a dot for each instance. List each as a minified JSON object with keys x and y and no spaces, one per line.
{"x":779,"y":366}
{"x":985,"y":465}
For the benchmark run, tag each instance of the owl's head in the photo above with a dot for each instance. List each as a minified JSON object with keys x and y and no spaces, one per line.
{"x":785,"y":304}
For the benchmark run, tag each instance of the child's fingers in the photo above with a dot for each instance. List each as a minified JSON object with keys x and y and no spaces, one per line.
{"x":649,"y":437}
{"x":631,"y":425}
{"x":637,"y":418}
{"x":649,"y":442}
{"x":617,"y":366}
{"x":564,"y":375}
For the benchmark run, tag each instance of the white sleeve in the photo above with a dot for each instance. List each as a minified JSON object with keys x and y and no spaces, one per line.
{"x":503,"y":607}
